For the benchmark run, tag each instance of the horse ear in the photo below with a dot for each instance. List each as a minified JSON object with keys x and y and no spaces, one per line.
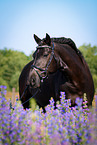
{"x":48,"y":39}
{"x":37,"y":39}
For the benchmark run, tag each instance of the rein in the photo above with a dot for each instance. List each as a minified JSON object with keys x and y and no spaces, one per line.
{"x":24,"y":92}
{"x":42,"y":70}
{"x":31,"y":96}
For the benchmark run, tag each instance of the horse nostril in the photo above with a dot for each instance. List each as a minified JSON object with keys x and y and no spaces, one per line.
{"x":32,"y":81}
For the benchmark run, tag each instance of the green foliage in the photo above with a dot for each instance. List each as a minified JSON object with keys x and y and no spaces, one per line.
{"x":90,"y":54}
{"x":33,"y":104}
{"x":11,"y":65}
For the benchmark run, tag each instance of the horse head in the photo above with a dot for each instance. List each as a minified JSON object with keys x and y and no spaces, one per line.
{"x":45,"y":61}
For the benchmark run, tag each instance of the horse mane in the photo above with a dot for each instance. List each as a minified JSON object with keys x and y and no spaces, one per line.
{"x":63,"y":40}
{"x":70,"y":42}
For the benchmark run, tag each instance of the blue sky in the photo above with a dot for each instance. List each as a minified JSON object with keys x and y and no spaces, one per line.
{"x":20,"y":19}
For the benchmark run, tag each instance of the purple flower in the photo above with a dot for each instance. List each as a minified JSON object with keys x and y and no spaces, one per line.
{"x":68,"y":126}
{"x":79,"y":101}
{"x":3,"y":87}
{"x":3,"y":90}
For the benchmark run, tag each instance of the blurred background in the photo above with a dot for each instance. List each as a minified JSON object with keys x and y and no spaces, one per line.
{"x":20,"y":19}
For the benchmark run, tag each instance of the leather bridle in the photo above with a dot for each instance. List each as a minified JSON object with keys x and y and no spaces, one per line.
{"x":44,"y":71}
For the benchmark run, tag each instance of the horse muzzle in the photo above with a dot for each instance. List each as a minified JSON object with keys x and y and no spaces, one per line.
{"x":34,"y":80}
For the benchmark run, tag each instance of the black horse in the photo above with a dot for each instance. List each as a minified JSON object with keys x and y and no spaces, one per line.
{"x":51,"y":87}
{"x":53,"y":54}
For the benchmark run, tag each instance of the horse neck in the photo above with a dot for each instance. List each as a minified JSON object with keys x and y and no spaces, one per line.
{"x":67,"y":55}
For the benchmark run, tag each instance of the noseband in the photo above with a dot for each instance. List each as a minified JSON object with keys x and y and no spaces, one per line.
{"x":42,"y":70}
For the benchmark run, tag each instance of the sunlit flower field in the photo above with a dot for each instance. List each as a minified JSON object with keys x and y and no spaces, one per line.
{"x":61,"y":126}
